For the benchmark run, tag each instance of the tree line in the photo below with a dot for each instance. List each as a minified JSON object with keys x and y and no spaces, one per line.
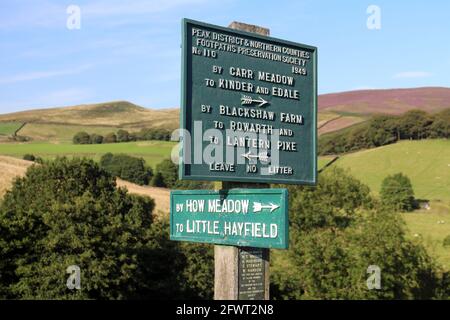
{"x":381,"y":130}
{"x":135,"y":170}
{"x":121,"y":135}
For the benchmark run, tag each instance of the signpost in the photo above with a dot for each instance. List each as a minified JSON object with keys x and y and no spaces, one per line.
{"x":239,"y":217}
{"x":248,"y":118}
{"x":249,"y":107}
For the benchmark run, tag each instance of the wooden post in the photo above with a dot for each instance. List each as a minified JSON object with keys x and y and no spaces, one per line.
{"x":231,"y":279}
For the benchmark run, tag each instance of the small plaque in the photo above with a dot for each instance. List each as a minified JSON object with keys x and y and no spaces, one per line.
{"x":252,"y":273}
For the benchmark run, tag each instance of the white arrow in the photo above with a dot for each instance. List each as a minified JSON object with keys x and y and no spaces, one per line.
{"x":258,"y":206}
{"x":249,"y":100}
{"x":263,"y":157}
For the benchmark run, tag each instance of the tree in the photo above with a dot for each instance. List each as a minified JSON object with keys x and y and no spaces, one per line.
{"x":397,"y":193}
{"x":167,"y":173}
{"x":69,"y":212}
{"x":414,"y":124}
{"x":382,"y":130}
{"x":96,"y":139}
{"x":110,"y":138}
{"x":82,"y":138}
{"x":127,"y":167}
{"x":332,"y":203}
{"x":123,"y":136}
{"x":336,"y":232}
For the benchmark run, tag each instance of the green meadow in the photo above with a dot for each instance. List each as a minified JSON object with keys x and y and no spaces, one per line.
{"x":8,"y":128}
{"x":425,"y":162}
{"x":431,"y":227}
{"x":152,"y":152}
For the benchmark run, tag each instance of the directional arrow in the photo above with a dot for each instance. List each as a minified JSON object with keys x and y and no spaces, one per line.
{"x":245,"y":100}
{"x":258,"y":207}
{"x":263,"y":157}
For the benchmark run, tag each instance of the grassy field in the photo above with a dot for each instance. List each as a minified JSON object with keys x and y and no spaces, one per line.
{"x":152,"y":151}
{"x":431,"y":227}
{"x":61,"y":132}
{"x":426,"y":163}
{"x":8,"y":128}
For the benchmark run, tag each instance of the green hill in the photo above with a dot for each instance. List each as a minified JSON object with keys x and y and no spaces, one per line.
{"x":425,"y":162}
{"x":60,"y":124}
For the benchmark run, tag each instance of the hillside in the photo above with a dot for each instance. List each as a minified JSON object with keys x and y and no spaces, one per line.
{"x":11,"y":168}
{"x":336,"y":111}
{"x":387,"y":101}
{"x":425,"y":162}
{"x":341,"y":110}
{"x":109,"y":114}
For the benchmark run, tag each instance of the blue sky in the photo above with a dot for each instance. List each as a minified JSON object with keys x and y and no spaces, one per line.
{"x":130,"y":50}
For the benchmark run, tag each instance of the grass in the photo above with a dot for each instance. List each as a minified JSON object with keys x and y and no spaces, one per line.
{"x":426,"y":163}
{"x":61,"y":132}
{"x":8,"y":128}
{"x":153,"y":152}
{"x":323,"y":160}
{"x":424,"y":225}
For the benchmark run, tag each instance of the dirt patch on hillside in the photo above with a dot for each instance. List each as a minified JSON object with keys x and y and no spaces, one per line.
{"x":10,"y":168}
{"x":160,"y":195}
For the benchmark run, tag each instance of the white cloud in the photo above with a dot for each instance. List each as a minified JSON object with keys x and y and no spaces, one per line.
{"x":412,"y":75}
{"x":37,"y":75}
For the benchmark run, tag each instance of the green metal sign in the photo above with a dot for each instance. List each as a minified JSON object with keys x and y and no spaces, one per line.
{"x":240,"y":217}
{"x":249,"y":107}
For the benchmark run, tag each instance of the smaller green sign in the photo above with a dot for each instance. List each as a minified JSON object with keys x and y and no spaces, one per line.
{"x":240,"y":217}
